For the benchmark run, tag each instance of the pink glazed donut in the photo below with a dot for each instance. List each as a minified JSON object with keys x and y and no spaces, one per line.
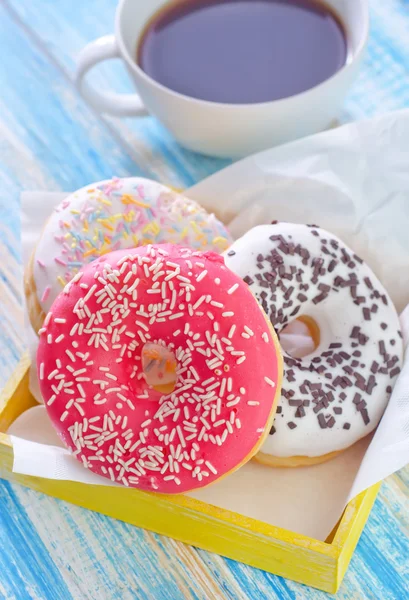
{"x":157,"y":367}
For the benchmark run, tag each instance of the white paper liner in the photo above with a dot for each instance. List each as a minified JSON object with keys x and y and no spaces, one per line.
{"x":353,"y":181}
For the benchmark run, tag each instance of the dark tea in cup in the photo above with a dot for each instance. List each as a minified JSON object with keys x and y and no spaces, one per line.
{"x":242,"y":51}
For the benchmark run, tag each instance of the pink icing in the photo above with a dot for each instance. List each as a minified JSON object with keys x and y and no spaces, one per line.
{"x":91,"y":377}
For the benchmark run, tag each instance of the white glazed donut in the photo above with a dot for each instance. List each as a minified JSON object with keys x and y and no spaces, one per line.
{"x":113,"y":215}
{"x":338,"y":393}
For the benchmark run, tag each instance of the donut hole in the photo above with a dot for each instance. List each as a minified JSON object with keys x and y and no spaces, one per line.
{"x":159,"y":366}
{"x":300,"y":337}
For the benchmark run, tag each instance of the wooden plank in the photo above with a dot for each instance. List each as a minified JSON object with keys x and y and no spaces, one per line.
{"x":15,"y":397}
{"x":49,"y":139}
{"x":144,"y":139}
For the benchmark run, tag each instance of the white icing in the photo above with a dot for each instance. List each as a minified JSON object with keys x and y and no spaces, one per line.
{"x":336,"y":315}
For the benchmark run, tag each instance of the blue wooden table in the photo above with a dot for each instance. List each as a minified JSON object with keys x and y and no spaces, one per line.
{"x":50,"y":139}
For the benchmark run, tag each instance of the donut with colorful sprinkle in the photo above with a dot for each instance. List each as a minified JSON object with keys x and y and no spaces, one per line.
{"x":107,"y":216}
{"x":337,"y":393}
{"x":159,"y":369}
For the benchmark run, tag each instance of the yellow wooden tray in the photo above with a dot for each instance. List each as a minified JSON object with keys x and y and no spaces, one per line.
{"x":303,"y":559}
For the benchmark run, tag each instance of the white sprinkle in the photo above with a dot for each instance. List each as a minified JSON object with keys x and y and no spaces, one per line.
{"x":143,"y":325}
{"x":176,"y":316}
{"x":133,"y":286}
{"x":174,"y":298}
{"x":42,"y":371}
{"x":110,"y":376}
{"x":217,"y":304}
{"x":79,"y":408}
{"x":60,"y":338}
{"x":74,"y":329}
{"x":127,"y":277}
{"x":205,"y":423}
{"x":233,"y":288}
{"x":240,"y":360}
{"x":112,"y":390}
{"x":60,"y":320}
{"x":253,"y":403}
{"x":248,"y":330}
{"x":79,"y":372}
{"x":52,"y":374}
{"x":269,"y":381}
{"x":228,"y":313}
{"x":219,"y":406}
{"x":265,"y":337}
{"x":47,"y":319}
{"x":194,"y":373}
{"x":201,"y":275}
{"x":90,"y":292}
{"x":70,"y":355}
{"x":214,"y":363}
{"x":49,"y":339}
{"x":199,"y":302}
{"x":233,"y":402}
{"x":238,"y":423}
{"x":210,"y":467}
{"x":231,"y":332}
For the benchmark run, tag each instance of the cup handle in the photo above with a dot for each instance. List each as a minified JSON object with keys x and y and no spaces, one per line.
{"x":120,"y":105}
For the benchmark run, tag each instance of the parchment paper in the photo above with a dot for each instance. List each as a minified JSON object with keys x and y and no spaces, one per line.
{"x":353,"y":181}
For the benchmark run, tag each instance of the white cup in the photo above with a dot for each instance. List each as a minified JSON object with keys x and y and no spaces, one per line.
{"x":225,"y":130}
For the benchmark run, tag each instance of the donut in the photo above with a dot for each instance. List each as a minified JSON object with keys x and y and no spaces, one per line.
{"x":127,"y":326}
{"x":107,"y":216}
{"x":336,"y":394}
